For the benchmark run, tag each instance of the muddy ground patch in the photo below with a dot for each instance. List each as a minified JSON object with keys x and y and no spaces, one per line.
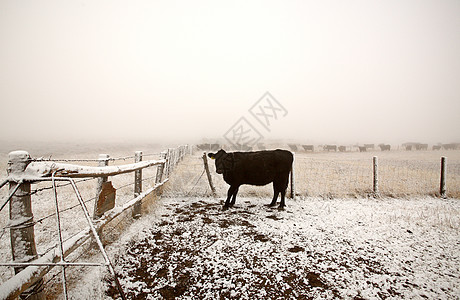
{"x":324,"y":249}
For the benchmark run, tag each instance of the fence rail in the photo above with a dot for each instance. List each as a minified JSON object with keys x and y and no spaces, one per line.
{"x":23,"y":172}
{"x":37,"y":171}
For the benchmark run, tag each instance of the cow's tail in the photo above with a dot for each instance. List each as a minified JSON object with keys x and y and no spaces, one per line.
{"x":291,"y":176}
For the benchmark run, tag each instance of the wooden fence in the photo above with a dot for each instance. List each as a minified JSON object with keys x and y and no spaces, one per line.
{"x":24,"y":172}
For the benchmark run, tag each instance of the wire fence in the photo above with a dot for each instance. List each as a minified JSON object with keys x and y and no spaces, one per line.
{"x":71,"y":214}
{"x":333,"y":176}
{"x":354,"y":178}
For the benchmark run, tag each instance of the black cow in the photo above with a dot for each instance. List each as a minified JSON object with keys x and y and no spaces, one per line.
{"x":293,"y":147}
{"x":254,"y":168}
{"x":369,"y":146}
{"x":385,"y":147}
{"x":330,"y":148}
{"x":309,"y":148}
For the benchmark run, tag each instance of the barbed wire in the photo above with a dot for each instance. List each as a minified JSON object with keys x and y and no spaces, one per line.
{"x":40,"y":220}
{"x":199,"y":178}
{"x":59,"y":270}
{"x":342,"y":177}
{"x":132,"y":183}
{"x":39,"y":159}
{"x":176,"y":158}
{"x":59,"y":185}
{"x":63,"y":210}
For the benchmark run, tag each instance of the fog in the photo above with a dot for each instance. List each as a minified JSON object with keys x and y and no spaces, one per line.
{"x":344,"y":71}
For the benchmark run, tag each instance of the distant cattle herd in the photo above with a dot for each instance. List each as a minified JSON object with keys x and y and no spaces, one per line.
{"x":329,"y":147}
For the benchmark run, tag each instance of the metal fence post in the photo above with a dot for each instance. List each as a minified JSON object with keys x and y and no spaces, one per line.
{"x":137,"y":209}
{"x":22,"y":234}
{"x":442,"y":188}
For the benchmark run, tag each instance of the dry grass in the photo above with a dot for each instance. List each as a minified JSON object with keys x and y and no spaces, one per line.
{"x":326,"y":175}
{"x":332,"y":175}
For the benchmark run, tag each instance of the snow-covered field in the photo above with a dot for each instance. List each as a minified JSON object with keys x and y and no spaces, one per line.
{"x":342,"y":248}
{"x":352,"y":248}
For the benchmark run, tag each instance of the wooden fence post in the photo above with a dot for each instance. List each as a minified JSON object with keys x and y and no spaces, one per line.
{"x":21,"y":223}
{"x":375,"y":163}
{"x":166,"y":165}
{"x":103,"y":162}
{"x":181,"y":149}
{"x":206,"y":167}
{"x":170,"y":160}
{"x":160,"y":168}
{"x":137,"y":209}
{"x":293,"y":177}
{"x":442,"y":188}
{"x":174,"y":162}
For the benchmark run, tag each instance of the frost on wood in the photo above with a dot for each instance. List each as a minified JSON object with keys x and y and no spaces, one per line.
{"x":17,"y":161}
{"x":22,"y":235}
{"x":26,"y":278}
{"x":37,"y":170}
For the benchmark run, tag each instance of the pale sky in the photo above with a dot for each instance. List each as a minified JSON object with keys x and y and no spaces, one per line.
{"x":345,"y":71}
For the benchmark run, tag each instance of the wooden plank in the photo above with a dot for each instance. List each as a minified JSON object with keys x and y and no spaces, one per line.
{"x":106,"y":199}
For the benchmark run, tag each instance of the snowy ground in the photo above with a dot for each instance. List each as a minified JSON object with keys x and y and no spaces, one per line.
{"x":318,"y":247}
{"x":352,"y":249}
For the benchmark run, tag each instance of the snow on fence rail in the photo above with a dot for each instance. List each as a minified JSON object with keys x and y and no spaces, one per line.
{"x":23,"y":172}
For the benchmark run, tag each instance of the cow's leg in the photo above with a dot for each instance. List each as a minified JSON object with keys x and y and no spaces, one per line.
{"x":283,"y":188}
{"x":231,"y":191}
{"x":276,"y":192}
{"x":234,"y":196}
{"x":282,"y":204}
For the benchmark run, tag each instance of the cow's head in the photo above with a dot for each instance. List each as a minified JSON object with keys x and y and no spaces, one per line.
{"x":224,"y":162}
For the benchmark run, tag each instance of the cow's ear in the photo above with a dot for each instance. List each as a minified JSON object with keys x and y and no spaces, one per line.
{"x":211,"y":155}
